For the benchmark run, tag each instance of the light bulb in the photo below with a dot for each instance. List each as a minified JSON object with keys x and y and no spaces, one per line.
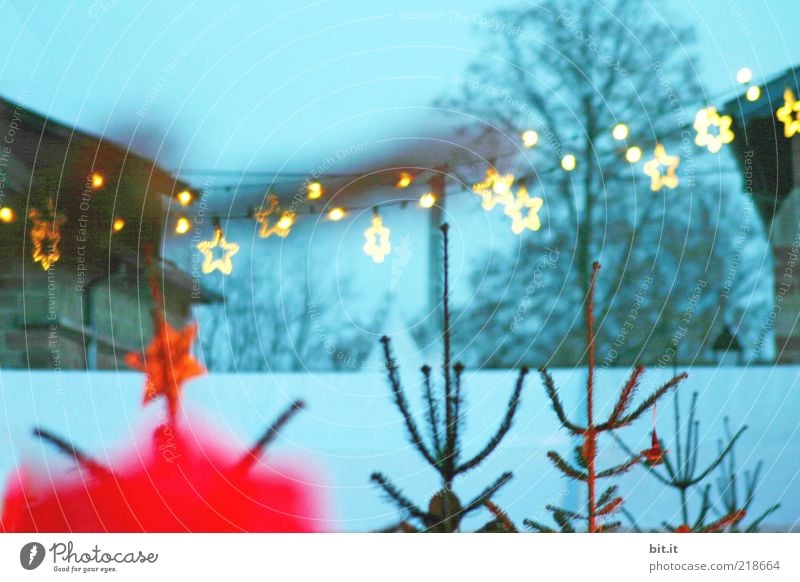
{"x":568,"y":162}
{"x":620,"y":131}
{"x":427,"y":200}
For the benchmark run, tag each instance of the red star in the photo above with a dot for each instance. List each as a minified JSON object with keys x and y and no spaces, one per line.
{"x":168,"y":363}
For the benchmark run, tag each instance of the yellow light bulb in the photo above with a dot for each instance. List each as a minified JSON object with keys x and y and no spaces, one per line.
{"x":753,"y":93}
{"x":315,"y":190}
{"x":620,"y":131}
{"x":7,"y":215}
{"x":568,"y":162}
{"x":118,"y":224}
{"x":97,"y":180}
{"x":633,"y":154}
{"x":744,"y":75}
{"x":427,"y":200}
{"x":183,"y":225}
{"x":336,"y":214}
{"x":185,"y":197}
{"x":405,"y":180}
{"x":285,"y":222}
{"x":529,"y":138}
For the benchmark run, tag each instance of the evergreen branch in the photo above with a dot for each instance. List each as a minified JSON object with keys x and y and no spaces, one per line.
{"x":433,"y":410}
{"x":609,"y":507}
{"x":501,"y":516}
{"x":401,"y":500}
{"x":503,"y":429}
{"x":606,"y":496}
{"x":724,"y":522}
{"x":705,"y":507}
{"x":449,"y":459}
{"x":644,"y":406}
{"x":539,"y":527}
{"x":402,"y":404}
{"x":609,"y":527}
{"x":569,"y":514}
{"x":558,"y":407}
{"x":626,"y":394}
{"x":81,"y":458}
{"x":487,"y":493}
{"x":458,"y":369}
{"x":250,"y":457}
{"x":566,"y":468}
{"x":720,"y":457}
{"x":754,"y":527}
{"x":562,"y":519}
{"x":621,"y":468}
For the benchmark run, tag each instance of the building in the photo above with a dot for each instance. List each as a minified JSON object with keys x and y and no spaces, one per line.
{"x":768,"y":152}
{"x":76,"y":214}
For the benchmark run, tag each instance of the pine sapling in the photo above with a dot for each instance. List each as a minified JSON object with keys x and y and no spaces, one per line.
{"x":440,"y":445}
{"x":599,"y":506}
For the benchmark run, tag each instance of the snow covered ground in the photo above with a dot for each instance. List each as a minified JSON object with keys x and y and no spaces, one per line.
{"x":351,"y":429}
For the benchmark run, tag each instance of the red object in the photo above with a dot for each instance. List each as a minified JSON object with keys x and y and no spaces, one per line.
{"x":655,"y":454}
{"x":180,"y":482}
{"x":168,"y":363}
{"x":683,"y":529}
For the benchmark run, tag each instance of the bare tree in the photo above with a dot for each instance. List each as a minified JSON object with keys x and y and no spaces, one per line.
{"x":572,"y":71}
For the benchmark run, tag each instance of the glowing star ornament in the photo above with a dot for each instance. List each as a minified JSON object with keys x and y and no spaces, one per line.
{"x":208,"y":248}
{"x":45,"y":235}
{"x":495,"y":188}
{"x":789,"y":114}
{"x":704,"y":121}
{"x":661,"y":169}
{"x":377,"y":235}
{"x":168,"y":363}
{"x":524,"y":211}
{"x":282,"y":226}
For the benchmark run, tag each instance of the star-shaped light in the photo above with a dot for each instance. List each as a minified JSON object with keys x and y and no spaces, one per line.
{"x":282,"y":226}
{"x":377,"y":235}
{"x":789,"y":114}
{"x":653,"y":168}
{"x":46,"y":235}
{"x":168,"y":363}
{"x":223,"y":263}
{"x":520,"y":220}
{"x":495,"y":188}
{"x":704,"y":121}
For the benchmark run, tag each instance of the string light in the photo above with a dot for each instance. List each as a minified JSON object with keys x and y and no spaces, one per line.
{"x":744,"y":75}
{"x":223,"y":264}
{"x":529,"y":138}
{"x":524,"y":211}
{"x":7,"y":215}
{"x":633,"y":154}
{"x":753,"y":93}
{"x":182,"y":225}
{"x":282,"y":227}
{"x":653,"y":168}
{"x":45,"y":235}
{"x":377,"y":236}
{"x":118,"y":224}
{"x":568,"y":162}
{"x":336,"y":214}
{"x":789,"y":114}
{"x":427,"y":200}
{"x":315,"y":191}
{"x":185,"y":197}
{"x":494,"y":188}
{"x":704,"y":121}
{"x":97,"y":180}
{"x":404,"y":181}
{"x":620,"y":131}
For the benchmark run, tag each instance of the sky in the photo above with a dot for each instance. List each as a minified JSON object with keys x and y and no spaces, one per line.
{"x":282,"y":85}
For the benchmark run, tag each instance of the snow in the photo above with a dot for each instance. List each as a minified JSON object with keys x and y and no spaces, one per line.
{"x":351,"y":429}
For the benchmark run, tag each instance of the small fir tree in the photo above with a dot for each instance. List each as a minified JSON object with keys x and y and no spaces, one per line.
{"x":441,"y":449}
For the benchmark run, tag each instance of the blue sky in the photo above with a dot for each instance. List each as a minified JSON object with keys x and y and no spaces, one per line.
{"x":262,"y":85}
